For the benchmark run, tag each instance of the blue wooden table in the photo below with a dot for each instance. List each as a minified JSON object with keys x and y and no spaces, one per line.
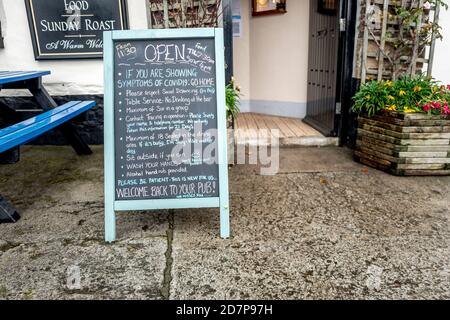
{"x":16,"y":76}
{"x":32,"y":81}
{"x":16,"y":132}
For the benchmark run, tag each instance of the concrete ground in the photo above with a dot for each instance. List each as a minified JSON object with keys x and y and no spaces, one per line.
{"x":323,"y":228}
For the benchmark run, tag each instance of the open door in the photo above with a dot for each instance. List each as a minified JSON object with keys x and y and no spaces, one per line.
{"x":323,"y":65}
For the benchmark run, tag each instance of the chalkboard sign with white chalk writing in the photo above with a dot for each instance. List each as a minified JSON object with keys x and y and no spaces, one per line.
{"x":162,"y":86}
{"x":68,"y":29}
{"x":165,"y":125}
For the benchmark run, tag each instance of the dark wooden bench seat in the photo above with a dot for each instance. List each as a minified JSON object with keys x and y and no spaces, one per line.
{"x":30,"y":129}
{"x":27,"y":130}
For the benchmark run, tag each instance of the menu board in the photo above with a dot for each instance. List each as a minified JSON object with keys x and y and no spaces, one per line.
{"x":165,"y":119}
{"x":67,"y":29}
{"x":165,"y":122}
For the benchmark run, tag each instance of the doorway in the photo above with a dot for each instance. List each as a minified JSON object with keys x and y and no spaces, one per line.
{"x":323,"y":66}
{"x":331,"y":83}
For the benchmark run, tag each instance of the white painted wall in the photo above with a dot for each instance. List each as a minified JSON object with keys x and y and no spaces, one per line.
{"x":279,"y":54}
{"x":68,"y":76}
{"x":271,"y":60}
{"x":2,"y":16}
{"x":241,"y":55}
{"x":441,"y":65}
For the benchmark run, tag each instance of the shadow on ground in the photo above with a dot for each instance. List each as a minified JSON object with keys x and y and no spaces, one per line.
{"x":324,"y":227}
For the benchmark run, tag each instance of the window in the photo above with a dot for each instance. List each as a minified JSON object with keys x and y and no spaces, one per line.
{"x":267,"y":7}
{"x":328,"y":7}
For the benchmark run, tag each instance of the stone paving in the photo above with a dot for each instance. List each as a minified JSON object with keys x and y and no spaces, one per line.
{"x":323,"y":228}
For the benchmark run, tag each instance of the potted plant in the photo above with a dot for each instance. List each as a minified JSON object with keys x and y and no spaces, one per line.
{"x":232,"y":94}
{"x":232,"y":97}
{"x":404,"y":126}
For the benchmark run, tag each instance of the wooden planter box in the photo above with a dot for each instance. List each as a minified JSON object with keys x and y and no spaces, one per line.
{"x":407,"y":144}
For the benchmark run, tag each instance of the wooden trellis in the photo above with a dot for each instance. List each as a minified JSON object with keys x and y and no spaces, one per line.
{"x":183,"y":13}
{"x":377,"y":51}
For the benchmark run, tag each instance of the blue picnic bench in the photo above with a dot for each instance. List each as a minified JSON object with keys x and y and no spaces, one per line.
{"x":53,"y":116}
{"x":29,"y":129}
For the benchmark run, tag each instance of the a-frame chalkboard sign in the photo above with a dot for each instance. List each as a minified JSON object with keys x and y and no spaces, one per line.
{"x":165,"y":122}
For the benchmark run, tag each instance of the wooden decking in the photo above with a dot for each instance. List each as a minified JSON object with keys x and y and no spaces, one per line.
{"x":249,"y":126}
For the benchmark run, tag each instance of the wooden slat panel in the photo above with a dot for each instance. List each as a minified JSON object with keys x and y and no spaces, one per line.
{"x":268,"y":124}
{"x":241,"y":129}
{"x":31,"y":121}
{"x":29,"y":132}
{"x":252,"y":125}
{"x":263,"y":129}
{"x":401,"y":149}
{"x":299,"y":131}
{"x":247,"y":123}
{"x":14,"y":76}
{"x":287,"y":132}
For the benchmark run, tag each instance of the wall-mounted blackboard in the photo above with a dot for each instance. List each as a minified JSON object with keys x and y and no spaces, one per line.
{"x":165,"y":123}
{"x":73,"y":29}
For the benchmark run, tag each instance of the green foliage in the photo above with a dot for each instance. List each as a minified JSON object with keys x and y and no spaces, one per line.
{"x":418,"y":94}
{"x":414,"y":32}
{"x":372,"y":97}
{"x":233,"y":95}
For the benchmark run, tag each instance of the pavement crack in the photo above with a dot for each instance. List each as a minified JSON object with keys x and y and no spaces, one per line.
{"x":167,"y":279}
{"x":6,"y":246}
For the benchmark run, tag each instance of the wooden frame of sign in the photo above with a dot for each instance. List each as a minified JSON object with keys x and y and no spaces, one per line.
{"x":72,"y":39}
{"x":149,"y":59}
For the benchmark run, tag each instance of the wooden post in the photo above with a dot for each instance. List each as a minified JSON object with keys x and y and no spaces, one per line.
{"x":110,"y":214}
{"x":433,"y":42}
{"x":365,"y":45}
{"x":413,"y":66}
{"x":383,"y":40}
{"x":166,"y":14}
{"x":183,"y":13}
{"x":150,"y":21}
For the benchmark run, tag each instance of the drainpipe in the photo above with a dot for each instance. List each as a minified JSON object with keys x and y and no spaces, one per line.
{"x":228,"y":38}
{"x":2,"y":17}
{"x":2,"y":44}
{"x":349,"y":85}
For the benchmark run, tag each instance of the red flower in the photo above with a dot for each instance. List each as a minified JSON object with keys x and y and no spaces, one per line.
{"x":448,"y":87}
{"x":446,"y":110}
{"x":426,"y":107}
{"x":436,"y":105}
